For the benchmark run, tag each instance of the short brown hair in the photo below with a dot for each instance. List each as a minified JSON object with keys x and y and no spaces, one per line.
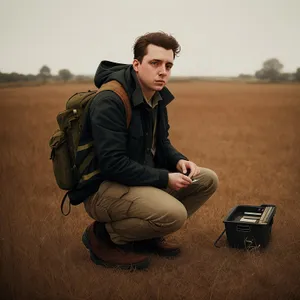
{"x":159,"y":39}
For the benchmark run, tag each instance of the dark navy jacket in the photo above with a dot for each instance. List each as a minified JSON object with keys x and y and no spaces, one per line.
{"x":121,"y":151}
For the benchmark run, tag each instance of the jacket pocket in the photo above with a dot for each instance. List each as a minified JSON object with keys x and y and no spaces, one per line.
{"x":135,"y":144}
{"x":136,"y":133}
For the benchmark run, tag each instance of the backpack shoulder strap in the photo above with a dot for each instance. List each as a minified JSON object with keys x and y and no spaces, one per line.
{"x":116,"y":87}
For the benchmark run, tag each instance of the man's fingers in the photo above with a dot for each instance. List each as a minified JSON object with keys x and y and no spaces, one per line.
{"x":197,"y":171}
{"x":186,"y":179}
{"x":194,"y":171}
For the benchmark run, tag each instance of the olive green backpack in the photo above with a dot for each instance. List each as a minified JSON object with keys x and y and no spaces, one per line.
{"x":64,"y":142}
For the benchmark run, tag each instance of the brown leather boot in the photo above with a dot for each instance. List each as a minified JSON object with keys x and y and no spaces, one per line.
{"x":159,"y":246}
{"x":104,"y":252}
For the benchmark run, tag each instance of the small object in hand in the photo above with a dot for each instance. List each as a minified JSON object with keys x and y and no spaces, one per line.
{"x":188,"y":171}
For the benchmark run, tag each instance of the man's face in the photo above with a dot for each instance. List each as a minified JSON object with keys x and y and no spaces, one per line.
{"x":155,"y":69}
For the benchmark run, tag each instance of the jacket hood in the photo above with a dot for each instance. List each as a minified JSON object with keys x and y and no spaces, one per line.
{"x":108,"y":70}
{"x":125,"y":75}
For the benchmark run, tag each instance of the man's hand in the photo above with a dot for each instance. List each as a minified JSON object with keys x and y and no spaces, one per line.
{"x":184,"y":165}
{"x":178,"y":181}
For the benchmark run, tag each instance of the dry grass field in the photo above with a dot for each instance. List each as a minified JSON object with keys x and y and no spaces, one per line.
{"x":248,"y":133}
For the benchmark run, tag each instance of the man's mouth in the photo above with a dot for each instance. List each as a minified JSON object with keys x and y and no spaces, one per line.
{"x":160,"y":81}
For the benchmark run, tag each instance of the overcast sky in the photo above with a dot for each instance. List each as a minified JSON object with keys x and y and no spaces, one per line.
{"x":218,"y":37}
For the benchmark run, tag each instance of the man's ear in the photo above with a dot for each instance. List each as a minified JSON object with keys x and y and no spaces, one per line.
{"x":135,"y":65}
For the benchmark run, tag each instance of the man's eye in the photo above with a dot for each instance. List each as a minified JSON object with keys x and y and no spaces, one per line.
{"x":168,"y":67}
{"x":154,"y":63}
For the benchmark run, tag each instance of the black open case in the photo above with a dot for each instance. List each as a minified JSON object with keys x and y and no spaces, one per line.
{"x":249,"y":226}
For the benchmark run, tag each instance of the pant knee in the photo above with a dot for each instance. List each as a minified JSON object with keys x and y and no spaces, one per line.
{"x":214,"y":180}
{"x":172,"y":220}
{"x":179,"y":217}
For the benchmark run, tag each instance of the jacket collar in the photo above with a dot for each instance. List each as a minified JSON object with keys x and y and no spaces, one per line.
{"x":137,"y":96}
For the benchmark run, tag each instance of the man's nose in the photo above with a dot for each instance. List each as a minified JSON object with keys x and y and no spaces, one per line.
{"x":163,"y":70}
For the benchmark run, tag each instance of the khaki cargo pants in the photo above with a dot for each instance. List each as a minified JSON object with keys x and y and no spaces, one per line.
{"x":143,"y":212}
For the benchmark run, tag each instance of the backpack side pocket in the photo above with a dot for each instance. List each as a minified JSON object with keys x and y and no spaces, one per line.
{"x":64,"y":171}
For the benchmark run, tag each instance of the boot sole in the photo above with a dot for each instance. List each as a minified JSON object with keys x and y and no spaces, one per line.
{"x":98,"y":261}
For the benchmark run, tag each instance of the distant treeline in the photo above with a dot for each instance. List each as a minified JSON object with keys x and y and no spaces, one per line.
{"x":16,"y":77}
{"x":271,"y":71}
{"x":43,"y":76}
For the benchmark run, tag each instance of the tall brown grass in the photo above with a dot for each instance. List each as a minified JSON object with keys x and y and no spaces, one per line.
{"x":248,"y":134}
